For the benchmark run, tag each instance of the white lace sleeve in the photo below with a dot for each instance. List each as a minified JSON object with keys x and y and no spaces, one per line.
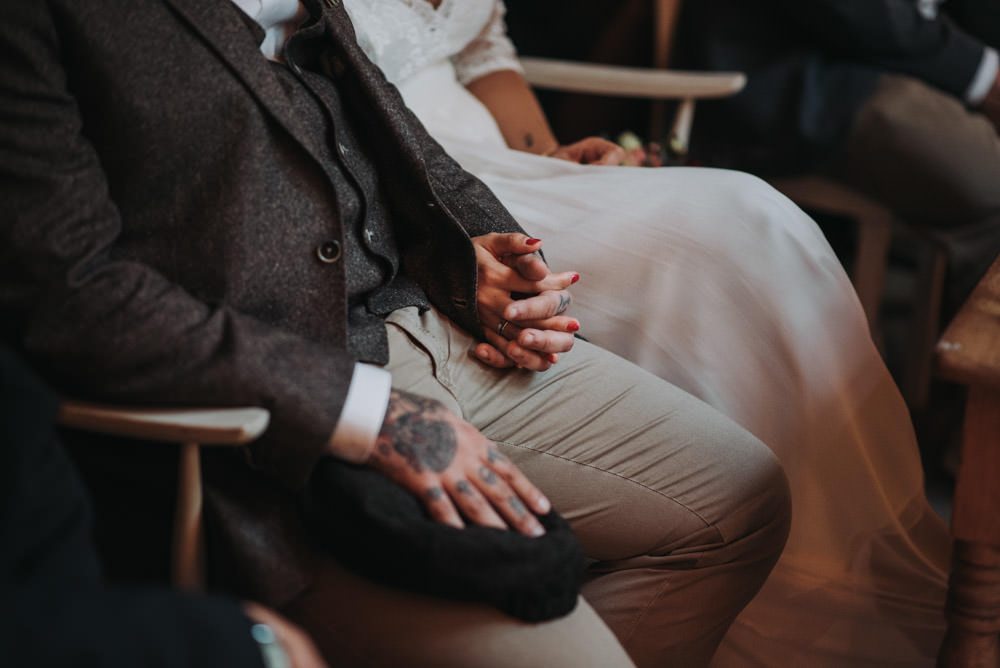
{"x":490,"y":51}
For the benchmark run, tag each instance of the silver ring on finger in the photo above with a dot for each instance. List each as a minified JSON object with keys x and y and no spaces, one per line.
{"x":502,"y":326}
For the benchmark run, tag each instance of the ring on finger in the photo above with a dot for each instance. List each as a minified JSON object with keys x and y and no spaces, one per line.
{"x":502,"y":326}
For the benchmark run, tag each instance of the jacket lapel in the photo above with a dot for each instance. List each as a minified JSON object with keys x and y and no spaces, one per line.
{"x":226,"y":35}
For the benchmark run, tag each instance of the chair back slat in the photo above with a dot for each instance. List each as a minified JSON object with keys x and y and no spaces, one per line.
{"x":665,"y":26}
{"x":665,"y":14}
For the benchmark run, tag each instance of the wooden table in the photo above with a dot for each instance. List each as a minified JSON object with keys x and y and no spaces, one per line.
{"x":969,"y":353}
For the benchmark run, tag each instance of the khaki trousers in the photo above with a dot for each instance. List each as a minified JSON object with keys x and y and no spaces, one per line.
{"x":936,"y":164}
{"x":682,"y":512}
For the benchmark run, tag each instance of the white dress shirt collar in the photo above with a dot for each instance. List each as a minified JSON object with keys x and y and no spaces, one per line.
{"x":278,"y":18}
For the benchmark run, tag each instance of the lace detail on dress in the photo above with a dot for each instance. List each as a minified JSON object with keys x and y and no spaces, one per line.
{"x":403,"y":37}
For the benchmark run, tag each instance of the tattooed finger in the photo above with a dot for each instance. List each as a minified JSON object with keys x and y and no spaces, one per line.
{"x":516,"y":506}
{"x":441,"y":508}
{"x":475,"y":507}
{"x":509,"y":503}
{"x":493,"y":455}
{"x":487,"y":475}
{"x":564,"y":301}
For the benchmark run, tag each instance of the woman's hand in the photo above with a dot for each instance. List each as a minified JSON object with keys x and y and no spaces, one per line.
{"x":591,"y":151}
{"x":452,"y":468}
{"x":530,"y":332}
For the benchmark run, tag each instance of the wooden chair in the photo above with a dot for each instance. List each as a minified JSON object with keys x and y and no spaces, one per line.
{"x":969,"y":353}
{"x":657,"y":84}
{"x":191,"y":429}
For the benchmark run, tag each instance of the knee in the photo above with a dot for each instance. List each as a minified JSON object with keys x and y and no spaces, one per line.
{"x":760,"y":506}
{"x":891,"y":108}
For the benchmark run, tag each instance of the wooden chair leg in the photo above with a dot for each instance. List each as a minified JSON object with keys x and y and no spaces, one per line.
{"x":973,"y":607}
{"x":919,"y":355}
{"x":193,"y":428}
{"x":868,"y":273}
{"x":188,"y":561}
{"x":665,"y":13}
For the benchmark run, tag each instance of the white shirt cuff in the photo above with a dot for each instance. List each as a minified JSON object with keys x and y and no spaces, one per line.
{"x":363,"y":413}
{"x":985,"y":76}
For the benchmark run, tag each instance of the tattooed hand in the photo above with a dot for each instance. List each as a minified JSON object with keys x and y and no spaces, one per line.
{"x":527,"y":332}
{"x":456,"y":471}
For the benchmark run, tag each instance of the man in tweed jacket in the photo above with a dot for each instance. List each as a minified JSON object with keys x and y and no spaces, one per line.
{"x":195,"y":215}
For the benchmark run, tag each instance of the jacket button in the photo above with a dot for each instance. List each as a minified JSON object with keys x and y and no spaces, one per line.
{"x":328,"y":252}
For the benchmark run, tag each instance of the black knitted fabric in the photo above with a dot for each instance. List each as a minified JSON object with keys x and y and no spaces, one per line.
{"x":378,"y":529}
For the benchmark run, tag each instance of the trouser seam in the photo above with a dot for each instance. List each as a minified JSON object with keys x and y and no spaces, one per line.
{"x":645,"y":609}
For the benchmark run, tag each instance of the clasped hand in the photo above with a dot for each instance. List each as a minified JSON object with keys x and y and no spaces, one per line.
{"x":530,"y":332}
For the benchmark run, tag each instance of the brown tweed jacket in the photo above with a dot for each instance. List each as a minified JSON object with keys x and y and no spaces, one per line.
{"x":162,"y":208}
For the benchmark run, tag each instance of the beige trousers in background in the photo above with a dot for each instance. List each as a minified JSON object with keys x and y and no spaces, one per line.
{"x":936,"y":164}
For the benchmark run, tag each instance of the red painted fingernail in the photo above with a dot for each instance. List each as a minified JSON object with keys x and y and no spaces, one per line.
{"x":573,"y":327}
{"x":553,"y":358}
{"x":533,"y":241}
{"x":576,"y":277}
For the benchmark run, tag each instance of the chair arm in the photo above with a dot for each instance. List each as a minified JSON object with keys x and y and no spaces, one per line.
{"x":620,"y":81}
{"x":191,"y":428}
{"x":204,"y":426}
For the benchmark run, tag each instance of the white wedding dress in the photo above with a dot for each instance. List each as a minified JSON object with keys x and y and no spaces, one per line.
{"x":719,"y":284}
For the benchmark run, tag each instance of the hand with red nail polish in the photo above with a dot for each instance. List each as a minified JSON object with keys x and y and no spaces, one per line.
{"x":531,"y":331}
